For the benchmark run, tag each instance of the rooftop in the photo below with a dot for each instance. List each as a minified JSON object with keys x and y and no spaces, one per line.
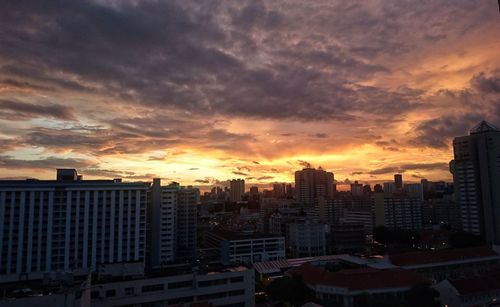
{"x":477,"y":284}
{"x":360,"y":279}
{"x":483,"y":126}
{"x":438,"y":256}
{"x":231,"y":235}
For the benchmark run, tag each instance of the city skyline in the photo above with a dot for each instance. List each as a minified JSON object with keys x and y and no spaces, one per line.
{"x":198,"y":93}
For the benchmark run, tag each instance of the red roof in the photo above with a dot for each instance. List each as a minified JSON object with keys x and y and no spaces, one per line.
{"x":477,"y":284}
{"x":445,"y":255}
{"x":358,"y":279}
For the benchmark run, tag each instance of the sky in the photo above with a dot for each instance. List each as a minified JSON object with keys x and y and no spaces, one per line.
{"x":200,"y":92}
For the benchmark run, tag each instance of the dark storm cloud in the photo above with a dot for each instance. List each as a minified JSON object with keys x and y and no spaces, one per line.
{"x":185,"y":55}
{"x":409,"y":167}
{"x":47,"y":163}
{"x":129,"y":135}
{"x":487,"y":83}
{"x":240,"y":173}
{"x":438,"y":132}
{"x":15,"y":110}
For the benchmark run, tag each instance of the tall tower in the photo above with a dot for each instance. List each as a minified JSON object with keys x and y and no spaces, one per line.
{"x":476,"y":176}
{"x":237,"y":187}
{"x":398,"y":180}
{"x":312,"y":185}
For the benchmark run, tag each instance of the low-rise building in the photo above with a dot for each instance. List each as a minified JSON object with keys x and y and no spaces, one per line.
{"x":307,"y":238}
{"x":438,"y":265}
{"x":213,"y":286}
{"x":246,"y":247}
{"x":476,"y":290}
{"x":347,"y":237}
{"x":351,"y":287}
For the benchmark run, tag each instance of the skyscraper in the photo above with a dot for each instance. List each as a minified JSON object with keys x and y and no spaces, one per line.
{"x":398,"y":180}
{"x":476,"y":176}
{"x":186,"y":224}
{"x":312,"y":185}
{"x":237,"y":187}
{"x":172,"y":221}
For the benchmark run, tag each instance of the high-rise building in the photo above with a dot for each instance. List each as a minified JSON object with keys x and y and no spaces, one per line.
{"x":162,"y":224}
{"x":313,"y":184}
{"x":279,"y":190}
{"x":389,"y":188}
{"x":476,"y":176}
{"x":70,"y":224}
{"x":237,"y":189}
{"x":398,"y":180}
{"x":186,"y":223}
{"x":414,"y":190}
{"x":403,"y":212}
{"x":356,"y":189}
{"x":172,"y":221}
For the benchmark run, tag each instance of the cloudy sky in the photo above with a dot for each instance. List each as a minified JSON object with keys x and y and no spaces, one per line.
{"x":200,"y":91}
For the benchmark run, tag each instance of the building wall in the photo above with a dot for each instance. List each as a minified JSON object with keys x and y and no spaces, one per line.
{"x":248,"y":250}
{"x":218,"y":288}
{"x":54,"y":226}
{"x":476,"y":176}
{"x":307,"y":239}
{"x":403,"y":212}
{"x":186,"y":237}
{"x":313,"y":184}
{"x":237,"y":189}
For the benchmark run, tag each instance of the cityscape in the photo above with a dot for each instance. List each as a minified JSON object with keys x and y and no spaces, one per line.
{"x":249,"y":153}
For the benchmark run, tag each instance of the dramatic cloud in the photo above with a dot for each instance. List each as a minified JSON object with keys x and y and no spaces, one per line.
{"x":14,"y":110}
{"x":188,"y":89}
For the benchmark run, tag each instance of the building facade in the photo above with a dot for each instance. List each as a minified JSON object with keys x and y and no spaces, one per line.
{"x":70,"y":225}
{"x":237,"y":189}
{"x":476,"y":177}
{"x":313,"y":184}
{"x":247,"y":248}
{"x":172,"y":222}
{"x":403,"y":212}
{"x":306,"y":238}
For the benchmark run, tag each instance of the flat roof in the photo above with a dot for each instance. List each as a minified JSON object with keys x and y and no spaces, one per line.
{"x":231,"y":235}
{"x":361,"y":279}
{"x":489,"y":281}
{"x":439,"y":256}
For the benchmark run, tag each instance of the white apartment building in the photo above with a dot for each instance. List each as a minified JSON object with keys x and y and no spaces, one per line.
{"x":247,"y":248}
{"x":307,"y":238}
{"x":69,"y":224}
{"x":173,"y":221}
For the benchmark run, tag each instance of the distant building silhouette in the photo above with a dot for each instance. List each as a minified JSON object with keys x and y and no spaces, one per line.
{"x":313,"y":185}
{"x":398,"y":180}
{"x":237,"y":189}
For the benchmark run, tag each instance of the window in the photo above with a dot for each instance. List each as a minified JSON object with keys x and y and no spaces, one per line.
{"x":180,"y":284}
{"x":130,"y":291}
{"x":111,"y":292}
{"x":236,"y":279}
{"x":152,"y":288}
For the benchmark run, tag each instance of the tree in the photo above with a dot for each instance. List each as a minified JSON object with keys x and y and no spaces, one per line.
{"x":465,"y":239}
{"x":422,"y":295}
{"x":291,"y":290}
